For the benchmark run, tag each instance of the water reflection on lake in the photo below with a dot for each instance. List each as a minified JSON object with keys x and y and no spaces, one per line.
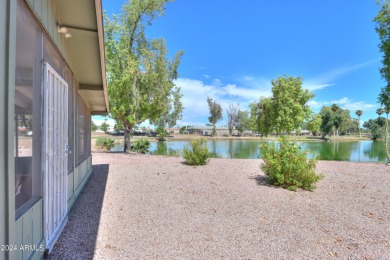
{"x":364,"y":151}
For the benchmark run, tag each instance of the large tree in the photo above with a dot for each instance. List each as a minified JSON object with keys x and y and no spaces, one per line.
{"x":104,"y":126}
{"x":232,"y":115}
{"x":326,"y":120}
{"x":139,"y":75}
{"x":337,"y":120}
{"x":314,"y":124}
{"x":242,"y":121}
{"x":261,"y":116}
{"x":382,"y":22}
{"x":289,"y":104}
{"x":215,"y":112}
{"x":173,"y":114}
{"x":285,"y":111}
{"x":375,"y":126}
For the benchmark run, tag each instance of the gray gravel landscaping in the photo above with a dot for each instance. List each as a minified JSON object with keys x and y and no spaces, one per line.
{"x":155,"y":207}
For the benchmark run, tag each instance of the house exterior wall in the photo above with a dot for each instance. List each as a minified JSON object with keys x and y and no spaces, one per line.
{"x":7,"y":83}
{"x":46,"y":12}
{"x":29,"y":232}
{"x":77,"y":179}
{"x":28,"y":228}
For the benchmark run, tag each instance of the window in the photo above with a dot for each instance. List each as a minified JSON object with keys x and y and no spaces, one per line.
{"x":83,"y":130}
{"x":70,"y":80}
{"x":27,"y":118}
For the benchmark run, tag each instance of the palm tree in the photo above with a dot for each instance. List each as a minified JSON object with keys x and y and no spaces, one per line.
{"x":335,"y":107}
{"x":379,"y":111}
{"x":359,"y":113}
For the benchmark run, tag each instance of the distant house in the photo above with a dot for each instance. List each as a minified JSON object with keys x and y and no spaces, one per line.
{"x":173,"y":130}
{"x":208,"y":130}
{"x":301,"y":133}
{"x":52,"y":80}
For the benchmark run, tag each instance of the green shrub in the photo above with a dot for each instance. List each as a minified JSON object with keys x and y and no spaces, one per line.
{"x":141,"y":146}
{"x":105,"y":143}
{"x":197,"y":153}
{"x":288,"y":166}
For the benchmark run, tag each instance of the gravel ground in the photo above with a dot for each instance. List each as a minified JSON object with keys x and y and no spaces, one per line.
{"x":155,"y":207}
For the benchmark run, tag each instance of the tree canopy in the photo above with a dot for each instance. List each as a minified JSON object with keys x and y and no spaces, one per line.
{"x":242,"y":121}
{"x":289,"y":104}
{"x":261,"y":118}
{"x":314,"y":124}
{"x":232,"y":114}
{"x":104,"y":126}
{"x":285,"y":111}
{"x":139,"y":74}
{"x":215,"y":112}
{"x":337,"y":119}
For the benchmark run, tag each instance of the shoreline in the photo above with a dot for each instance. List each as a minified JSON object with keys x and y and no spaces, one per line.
{"x":100,"y":151}
{"x":119,"y":139}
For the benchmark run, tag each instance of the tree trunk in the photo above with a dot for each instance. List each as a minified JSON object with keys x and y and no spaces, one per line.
{"x":230,"y":130}
{"x":127,"y":145}
{"x":360,"y":134}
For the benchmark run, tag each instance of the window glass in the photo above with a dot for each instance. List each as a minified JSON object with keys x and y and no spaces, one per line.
{"x":83,"y":130}
{"x":27,"y":118}
{"x":80,"y":129}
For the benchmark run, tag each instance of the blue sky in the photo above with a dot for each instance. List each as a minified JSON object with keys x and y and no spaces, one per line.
{"x":233,"y":49}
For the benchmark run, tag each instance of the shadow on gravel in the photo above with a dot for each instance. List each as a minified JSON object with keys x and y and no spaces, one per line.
{"x":78,"y":238}
{"x":262,"y":180}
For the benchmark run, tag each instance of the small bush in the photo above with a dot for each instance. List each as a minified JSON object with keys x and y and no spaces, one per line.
{"x":161,"y":133}
{"x":141,"y":146}
{"x":105,"y":143}
{"x":288,"y":166}
{"x":197,"y":153}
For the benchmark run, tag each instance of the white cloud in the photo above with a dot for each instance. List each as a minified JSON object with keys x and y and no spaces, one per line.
{"x":324,"y":80}
{"x":248,"y":78}
{"x":206,"y":76}
{"x":217,"y":82}
{"x":344,"y":103}
{"x":341,"y":71}
{"x":314,"y":86}
{"x":359,"y":105}
{"x":195,"y":93}
{"x":98,"y":120}
{"x":245,"y":93}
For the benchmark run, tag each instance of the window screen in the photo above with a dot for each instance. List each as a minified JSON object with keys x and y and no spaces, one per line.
{"x":83,"y":130}
{"x":27,"y":118}
{"x":70,"y":80}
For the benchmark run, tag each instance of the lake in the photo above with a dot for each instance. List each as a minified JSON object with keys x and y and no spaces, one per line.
{"x":356,"y":151}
